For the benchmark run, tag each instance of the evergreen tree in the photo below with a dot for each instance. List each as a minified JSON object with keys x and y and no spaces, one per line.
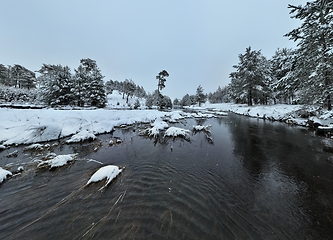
{"x":22,"y":77}
{"x":56,"y":85}
{"x":89,"y":87}
{"x":153,"y":99}
{"x":136,"y":104}
{"x":252,"y":79}
{"x":200,"y":96}
{"x":186,"y":100}
{"x":165,"y":102}
{"x":285,"y":82}
{"x":140,"y":92}
{"x":109,"y":86}
{"x":176,"y":102}
{"x":149,"y":101}
{"x":220,"y":95}
{"x":3,"y":75}
{"x":314,"y":53}
{"x":161,"y":77}
{"x":129,"y":88}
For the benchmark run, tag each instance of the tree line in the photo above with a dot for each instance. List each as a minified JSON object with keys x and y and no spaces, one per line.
{"x":302,"y":75}
{"x":56,"y":85}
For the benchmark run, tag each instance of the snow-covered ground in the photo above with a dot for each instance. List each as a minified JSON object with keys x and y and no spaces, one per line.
{"x":290,"y":114}
{"x":27,"y":126}
{"x":116,"y":101}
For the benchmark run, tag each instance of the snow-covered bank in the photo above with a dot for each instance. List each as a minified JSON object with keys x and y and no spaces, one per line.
{"x":39,"y":125}
{"x":291,"y":114}
{"x":23,"y":126}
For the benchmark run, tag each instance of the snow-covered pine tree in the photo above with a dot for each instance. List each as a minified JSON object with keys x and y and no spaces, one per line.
{"x":252,"y":79}
{"x":186,"y":100}
{"x":315,"y":48}
{"x":21,"y":77}
{"x":285,"y":83}
{"x":96,"y":89}
{"x":56,"y":85}
{"x":89,"y":87}
{"x":176,"y":102}
{"x":129,"y":88}
{"x":161,"y":77}
{"x":140,"y":92}
{"x":3,"y":75}
{"x":200,"y":96}
{"x":220,"y":95}
{"x":109,"y":87}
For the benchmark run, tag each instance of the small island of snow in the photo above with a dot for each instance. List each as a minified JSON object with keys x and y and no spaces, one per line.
{"x":58,"y":161}
{"x":81,"y":136}
{"x":175,"y":132}
{"x":109,"y":172}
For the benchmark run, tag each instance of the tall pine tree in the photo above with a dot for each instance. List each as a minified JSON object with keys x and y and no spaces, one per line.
{"x":315,"y":42}
{"x":252,"y":78}
{"x":89,"y":86}
{"x":56,"y":85}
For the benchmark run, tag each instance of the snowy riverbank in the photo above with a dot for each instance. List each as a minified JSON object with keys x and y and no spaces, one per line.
{"x":292,"y":114}
{"x":26,"y":126}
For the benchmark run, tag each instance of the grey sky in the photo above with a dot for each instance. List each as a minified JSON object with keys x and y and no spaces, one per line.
{"x":197,"y":42}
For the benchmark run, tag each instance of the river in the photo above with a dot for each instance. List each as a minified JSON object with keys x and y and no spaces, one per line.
{"x":258,"y":180}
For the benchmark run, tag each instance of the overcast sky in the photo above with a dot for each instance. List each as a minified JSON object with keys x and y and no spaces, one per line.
{"x":197,"y":42}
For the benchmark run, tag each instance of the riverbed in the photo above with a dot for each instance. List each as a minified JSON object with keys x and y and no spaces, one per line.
{"x":256,"y":180}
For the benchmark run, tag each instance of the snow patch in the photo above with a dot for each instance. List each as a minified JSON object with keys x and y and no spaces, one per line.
{"x":109,"y":172}
{"x":34,"y":134}
{"x":81,"y":136}
{"x":3,"y":174}
{"x":58,"y":161}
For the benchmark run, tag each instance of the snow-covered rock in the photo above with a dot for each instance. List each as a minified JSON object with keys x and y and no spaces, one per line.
{"x":2,"y":147}
{"x":81,"y":136}
{"x":3,"y":174}
{"x":108,"y":172}
{"x":58,"y":161}
{"x":175,"y":132}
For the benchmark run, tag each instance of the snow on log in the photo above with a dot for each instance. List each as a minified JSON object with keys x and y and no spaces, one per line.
{"x":109,"y":172}
{"x":3,"y":174}
{"x":155,"y":130}
{"x":81,"y":136}
{"x":221,"y":113}
{"x":175,"y":132}
{"x":58,"y":161}
{"x":202,"y":128}
{"x":35,"y":146}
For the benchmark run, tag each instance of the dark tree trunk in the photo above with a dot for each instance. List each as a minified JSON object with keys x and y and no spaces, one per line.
{"x":249,"y":98}
{"x":329,"y":104}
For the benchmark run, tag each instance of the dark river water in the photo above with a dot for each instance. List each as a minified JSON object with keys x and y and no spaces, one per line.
{"x":258,"y":180}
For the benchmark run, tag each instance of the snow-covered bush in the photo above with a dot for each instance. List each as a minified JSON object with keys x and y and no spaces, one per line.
{"x":17,"y":95}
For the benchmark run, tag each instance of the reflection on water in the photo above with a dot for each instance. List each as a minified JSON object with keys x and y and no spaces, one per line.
{"x":258,"y":180}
